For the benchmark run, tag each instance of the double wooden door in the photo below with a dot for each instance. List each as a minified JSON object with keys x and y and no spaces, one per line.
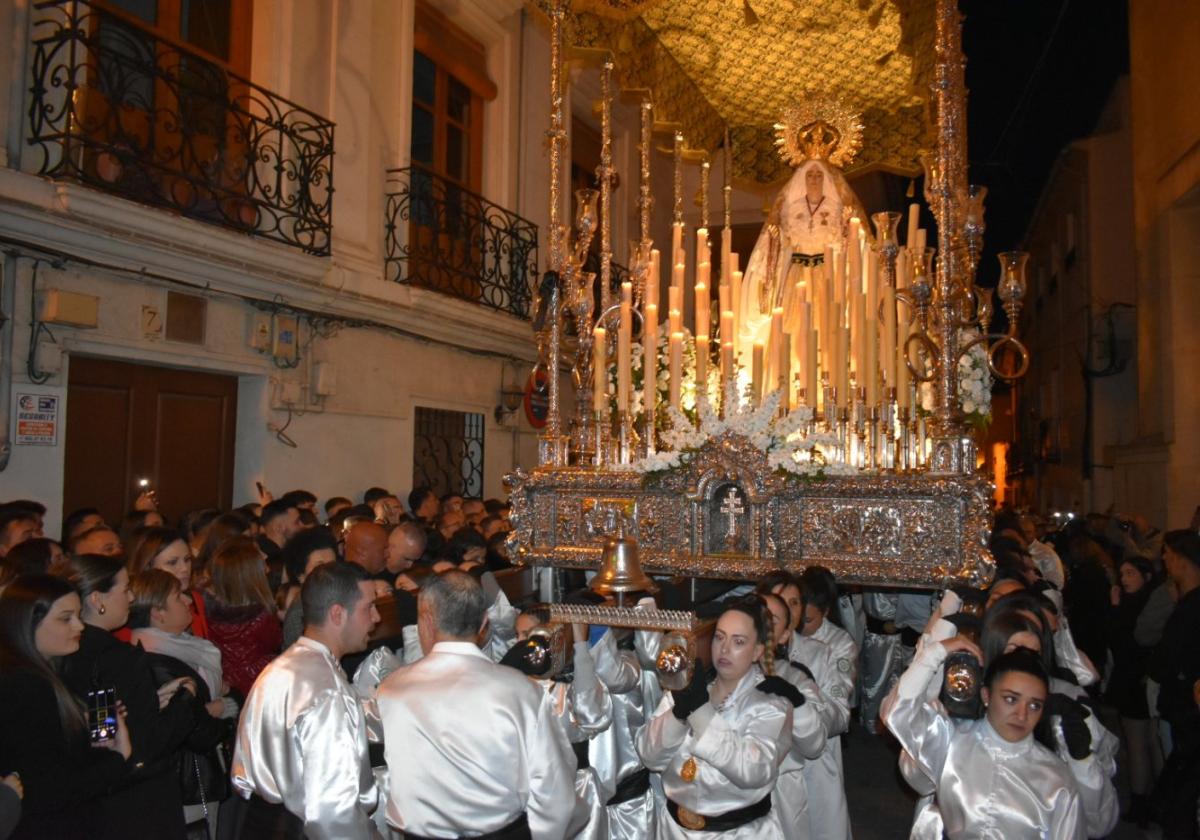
{"x":128,"y":421}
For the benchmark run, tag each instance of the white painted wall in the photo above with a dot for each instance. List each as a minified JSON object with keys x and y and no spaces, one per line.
{"x":350,"y":61}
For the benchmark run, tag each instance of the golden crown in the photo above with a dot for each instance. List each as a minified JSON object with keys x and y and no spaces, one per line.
{"x":820,"y":127}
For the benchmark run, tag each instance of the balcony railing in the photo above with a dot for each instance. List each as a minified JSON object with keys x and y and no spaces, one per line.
{"x":448,"y":239}
{"x":119,"y":108}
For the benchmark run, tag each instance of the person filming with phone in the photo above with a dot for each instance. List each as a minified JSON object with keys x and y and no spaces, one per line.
{"x":46,"y":739}
{"x":149,"y":802}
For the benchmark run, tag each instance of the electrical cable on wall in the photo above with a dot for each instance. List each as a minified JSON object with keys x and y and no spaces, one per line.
{"x":276,"y":304}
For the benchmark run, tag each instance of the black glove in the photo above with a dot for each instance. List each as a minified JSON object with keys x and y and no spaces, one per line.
{"x":690,"y":699}
{"x":1072,"y":717}
{"x":531,"y":657}
{"x":782,"y":688}
{"x":800,"y":666}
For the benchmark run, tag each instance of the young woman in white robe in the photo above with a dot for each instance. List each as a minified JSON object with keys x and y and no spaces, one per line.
{"x":992,"y":778}
{"x":719,"y":744}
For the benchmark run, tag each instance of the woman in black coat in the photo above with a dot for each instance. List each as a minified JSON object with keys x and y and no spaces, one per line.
{"x":1127,"y":684}
{"x":43,"y":732}
{"x":160,"y":717}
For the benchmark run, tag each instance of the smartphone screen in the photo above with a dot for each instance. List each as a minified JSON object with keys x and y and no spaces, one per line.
{"x":102,"y":713}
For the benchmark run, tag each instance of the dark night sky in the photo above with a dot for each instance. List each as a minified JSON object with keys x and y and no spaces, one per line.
{"x":1039,"y":74}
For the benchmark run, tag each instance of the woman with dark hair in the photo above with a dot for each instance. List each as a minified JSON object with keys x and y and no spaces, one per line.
{"x":1070,"y":727}
{"x":795,"y":684}
{"x":37,"y":556}
{"x":160,"y":716}
{"x":136,"y":521}
{"x":991,"y":776}
{"x":165,"y":549}
{"x":1127,"y":684}
{"x":719,"y":744}
{"x":241,"y":613}
{"x":44,"y":736}
{"x":218,"y":532}
{"x":1005,"y":630}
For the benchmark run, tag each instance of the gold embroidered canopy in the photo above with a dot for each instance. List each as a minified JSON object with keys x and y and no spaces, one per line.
{"x":713,"y":64}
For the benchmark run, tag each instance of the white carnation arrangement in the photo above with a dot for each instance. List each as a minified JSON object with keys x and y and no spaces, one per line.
{"x":688,"y":395}
{"x":787,"y":441}
{"x":974,"y":383}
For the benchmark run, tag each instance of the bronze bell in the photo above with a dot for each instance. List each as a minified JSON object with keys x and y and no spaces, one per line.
{"x":620,"y":571}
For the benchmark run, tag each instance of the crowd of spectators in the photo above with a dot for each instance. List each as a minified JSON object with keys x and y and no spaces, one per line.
{"x":175,"y":621}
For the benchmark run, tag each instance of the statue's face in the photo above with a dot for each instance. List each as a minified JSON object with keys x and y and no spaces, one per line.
{"x":814,"y":179}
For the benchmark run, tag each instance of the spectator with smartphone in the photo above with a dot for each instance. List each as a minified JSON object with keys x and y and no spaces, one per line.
{"x":148,"y":804}
{"x":44,"y":738}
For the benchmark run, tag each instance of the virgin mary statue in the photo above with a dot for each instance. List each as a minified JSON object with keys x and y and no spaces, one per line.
{"x":810,"y":214}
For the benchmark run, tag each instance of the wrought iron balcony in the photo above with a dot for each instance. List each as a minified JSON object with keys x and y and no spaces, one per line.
{"x":451,"y":240}
{"x":119,"y":108}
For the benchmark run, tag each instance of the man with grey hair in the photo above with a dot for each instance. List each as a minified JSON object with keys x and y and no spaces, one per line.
{"x":473,"y":748}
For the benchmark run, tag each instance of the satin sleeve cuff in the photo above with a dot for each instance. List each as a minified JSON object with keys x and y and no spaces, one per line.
{"x":590,"y":703}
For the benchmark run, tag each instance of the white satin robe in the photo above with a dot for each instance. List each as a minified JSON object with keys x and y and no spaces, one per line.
{"x":1094,"y":774}
{"x":986,"y":787}
{"x":791,"y":798}
{"x":613,"y":753}
{"x":470,"y":745}
{"x":302,"y":741}
{"x":584,"y":709}
{"x":647,"y":644}
{"x":737,"y":753}
{"x":834,"y":668}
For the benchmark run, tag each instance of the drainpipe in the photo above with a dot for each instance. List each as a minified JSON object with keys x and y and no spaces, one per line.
{"x":8,"y":302}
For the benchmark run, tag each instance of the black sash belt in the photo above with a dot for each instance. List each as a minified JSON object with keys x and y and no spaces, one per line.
{"x":266,"y":819}
{"x":581,"y":755}
{"x":518,"y":829}
{"x":631,"y":787}
{"x":719,"y":822}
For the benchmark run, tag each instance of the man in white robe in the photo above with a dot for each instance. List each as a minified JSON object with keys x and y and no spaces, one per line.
{"x":472,"y":747}
{"x":301,"y":756}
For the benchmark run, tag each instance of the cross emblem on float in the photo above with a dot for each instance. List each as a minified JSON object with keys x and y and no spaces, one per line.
{"x":731,"y":506}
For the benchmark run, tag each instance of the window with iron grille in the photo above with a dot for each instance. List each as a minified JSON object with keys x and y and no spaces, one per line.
{"x":448,"y":451}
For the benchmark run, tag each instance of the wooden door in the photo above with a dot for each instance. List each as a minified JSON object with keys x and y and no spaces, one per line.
{"x":128,"y":421}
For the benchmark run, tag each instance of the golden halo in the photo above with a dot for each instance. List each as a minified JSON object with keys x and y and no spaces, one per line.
{"x":821,"y":127}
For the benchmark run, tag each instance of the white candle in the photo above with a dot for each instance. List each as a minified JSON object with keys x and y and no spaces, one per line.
{"x":599,"y":371}
{"x":676,"y":243}
{"x":785,"y":372}
{"x":888,"y":350}
{"x":701,"y":365}
{"x":650,"y":361}
{"x":914,"y":222}
{"x":677,"y":274}
{"x":625,"y":347}
{"x":703,"y":310}
{"x":651,"y":294}
{"x":811,"y":385}
{"x":756,"y":372}
{"x":843,"y":368}
{"x":775,"y":350}
{"x":735,"y":294}
{"x":726,"y":365}
{"x":726,"y":251}
{"x":675,"y":366}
